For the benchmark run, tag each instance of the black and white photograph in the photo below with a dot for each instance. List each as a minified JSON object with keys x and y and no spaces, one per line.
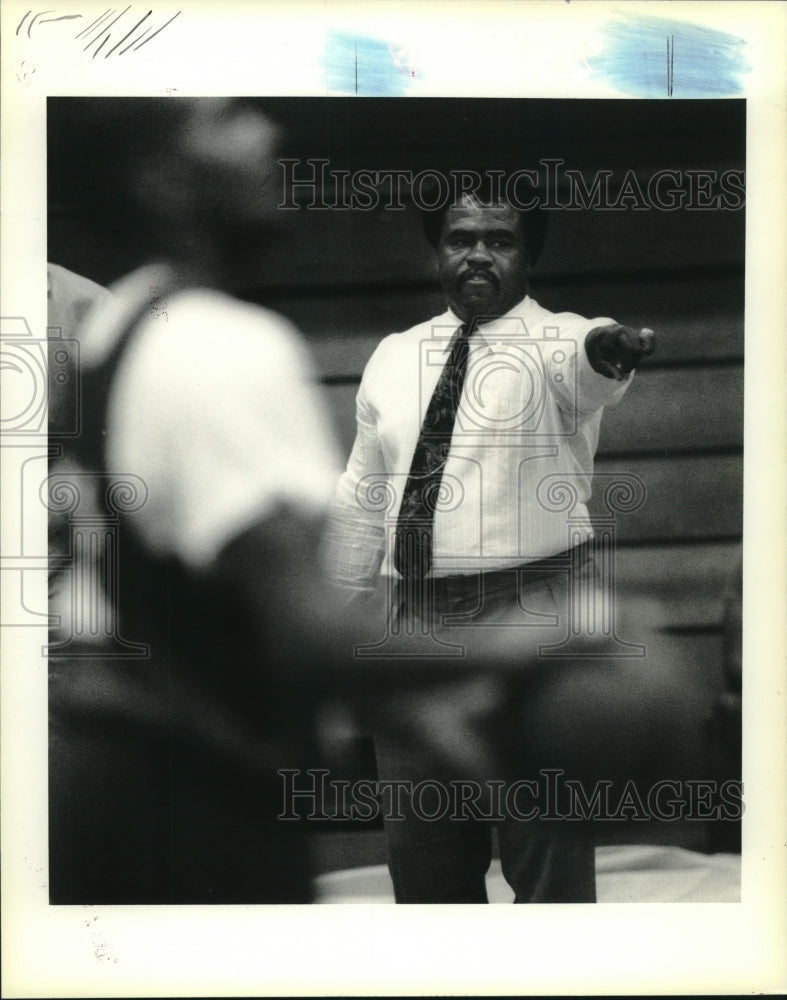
{"x":380,"y":483}
{"x":319,"y":234}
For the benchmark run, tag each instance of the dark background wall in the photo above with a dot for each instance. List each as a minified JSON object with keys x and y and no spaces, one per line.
{"x":347,"y":278}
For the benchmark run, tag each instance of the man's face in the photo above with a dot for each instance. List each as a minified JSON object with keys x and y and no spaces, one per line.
{"x":482,"y":261}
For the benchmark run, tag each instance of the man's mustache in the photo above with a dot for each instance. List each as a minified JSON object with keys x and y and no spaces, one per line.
{"x":486,"y":275}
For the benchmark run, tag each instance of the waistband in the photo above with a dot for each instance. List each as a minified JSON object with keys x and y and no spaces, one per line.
{"x":446,"y":587}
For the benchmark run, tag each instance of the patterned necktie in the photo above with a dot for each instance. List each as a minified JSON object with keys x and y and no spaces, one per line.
{"x":415,"y":525}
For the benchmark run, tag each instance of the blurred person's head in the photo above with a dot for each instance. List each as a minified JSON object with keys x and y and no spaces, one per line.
{"x":216,"y":172}
{"x":191,"y":180}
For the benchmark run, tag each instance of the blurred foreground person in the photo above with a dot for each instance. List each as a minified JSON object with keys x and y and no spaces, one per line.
{"x":163,"y":785}
{"x":70,"y":298}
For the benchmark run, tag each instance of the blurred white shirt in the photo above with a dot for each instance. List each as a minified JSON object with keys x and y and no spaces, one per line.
{"x":216,"y":409}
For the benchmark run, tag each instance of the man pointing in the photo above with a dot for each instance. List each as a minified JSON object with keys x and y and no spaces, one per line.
{"x":464,"y":418}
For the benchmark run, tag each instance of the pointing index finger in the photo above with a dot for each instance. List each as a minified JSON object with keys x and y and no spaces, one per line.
{"x":647,"y":341}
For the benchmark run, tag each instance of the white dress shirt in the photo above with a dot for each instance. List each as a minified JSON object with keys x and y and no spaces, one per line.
{"x":531,"y":408}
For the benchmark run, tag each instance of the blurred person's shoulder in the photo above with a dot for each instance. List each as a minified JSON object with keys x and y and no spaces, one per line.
{"x":215,"y":317}
{"x":187,"y":329}
{"x":70,"y":298}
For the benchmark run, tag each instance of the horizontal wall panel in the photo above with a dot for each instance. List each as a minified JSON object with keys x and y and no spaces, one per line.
{"x":341,"y":401}
{"x":695,"y":319}
{"x":329,"y":246}
{"x":594,"y":132}
{"x":682,"y":409}
{"x":687,"y":582}
{"x":696,"y":316}
{"x":691,"y":497}
{"x":642,"y":240}
{"x":344,"y":327}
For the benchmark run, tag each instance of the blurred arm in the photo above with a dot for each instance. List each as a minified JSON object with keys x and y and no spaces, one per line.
{"x":354,"y":542}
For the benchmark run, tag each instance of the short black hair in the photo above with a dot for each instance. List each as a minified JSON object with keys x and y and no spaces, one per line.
{"x":533,"y":221}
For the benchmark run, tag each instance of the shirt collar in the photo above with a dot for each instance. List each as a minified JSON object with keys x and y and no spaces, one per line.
{"x":489,"y":333}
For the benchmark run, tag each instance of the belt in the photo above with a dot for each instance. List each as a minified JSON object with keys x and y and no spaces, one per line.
{"x":484,"y":581}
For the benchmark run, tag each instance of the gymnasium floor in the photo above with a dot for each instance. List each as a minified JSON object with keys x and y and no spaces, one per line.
{"x":629,"y":873}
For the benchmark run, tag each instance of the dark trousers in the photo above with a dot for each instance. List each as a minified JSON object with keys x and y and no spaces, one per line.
{"x":445,"y":860}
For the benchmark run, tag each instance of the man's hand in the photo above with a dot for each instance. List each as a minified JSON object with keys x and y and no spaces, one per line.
{"x":616,"y":350}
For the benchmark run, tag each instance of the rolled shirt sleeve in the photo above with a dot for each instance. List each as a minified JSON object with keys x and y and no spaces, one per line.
{"x":355,"y":537}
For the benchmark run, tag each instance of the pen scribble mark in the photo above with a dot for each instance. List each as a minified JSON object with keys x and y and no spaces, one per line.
{"x":98,"y":20}
{"x":163,"y":26}
{"x":35,"y":16}
{"x":24,"y":73}
{"x":670,"y":63}
{"x":97,"y":34}
{"x":48,"y":20}
{"x":63,"y":17}
{"x":372,"y":67}
{"x":709,"y":63}
{"x":106,"y":28}
{"x":128,"y":33}
{"x":131,"y":44}
{"x":135,"y":43}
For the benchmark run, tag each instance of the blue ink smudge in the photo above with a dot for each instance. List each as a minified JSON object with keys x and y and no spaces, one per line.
{"x":365,"y":66}
{"x":655,"y":57}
